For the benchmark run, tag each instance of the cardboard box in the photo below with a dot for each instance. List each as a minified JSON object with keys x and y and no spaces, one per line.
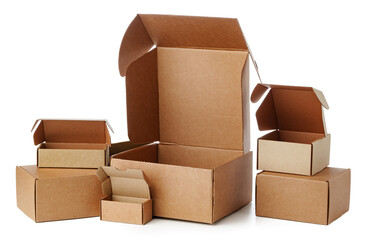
{"x":127,"y":197}
{"x":72,"y":143}
{"x":320,"y":199}
{"x":299,"y":143}
{"x":48,"y":194}
{"x":190,"y":93}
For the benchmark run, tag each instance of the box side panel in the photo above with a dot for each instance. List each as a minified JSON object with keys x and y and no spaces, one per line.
{"x":122,"y":146}
{"x":232,"y":186}
{"x":147,"y":212}
{"x":200,"y":97}
{"x":292,"y":199}
{"x":198,"y":157}
{"x":246,"y":106}
{"x":68,"y":198}
{"x":67,"y":158}
{"x":339,"y":195}
{"x":321,"y":152}
{"x":25,"y":184}
{"x":178,"y":192}
{"x":284,"y":157}
{"x":115,"y":211}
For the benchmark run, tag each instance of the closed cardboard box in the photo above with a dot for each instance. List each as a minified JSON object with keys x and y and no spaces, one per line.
{"x":191,"y":94}
{"x":46,"y":194}
{"x":320,"y":199}
{"x":299,"y":143}
{"x":72,"y":143}
{"x":127,"y":196}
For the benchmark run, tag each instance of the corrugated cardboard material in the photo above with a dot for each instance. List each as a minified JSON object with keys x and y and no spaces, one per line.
{"x":127,"y":196}
{"x":300,"y":143}
{"x":190,"y":93}
{"x":48,"y":194}
{"x":320,"y":199}
{"x":72,"y":143}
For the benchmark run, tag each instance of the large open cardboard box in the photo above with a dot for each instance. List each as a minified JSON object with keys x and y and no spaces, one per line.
{"x":190,"y":93}
{"x":48,"y":194}
{"x":127,"y":196}
{"x":320,"y":199}
{"x":72,"y":143}
{"x":299,"y":143}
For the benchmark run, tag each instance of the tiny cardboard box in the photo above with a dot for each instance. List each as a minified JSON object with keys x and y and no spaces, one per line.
{"x":320,"y":199}
{"x":48,"y":194}
{"x":299,"y":143}
{"x":127,"y":196}
{"x":72,"y":143}
{"x":190,"y":93}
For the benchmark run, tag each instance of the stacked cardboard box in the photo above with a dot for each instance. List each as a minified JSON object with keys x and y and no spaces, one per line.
{"x":296,"y":183}
{"x":64,"y":185}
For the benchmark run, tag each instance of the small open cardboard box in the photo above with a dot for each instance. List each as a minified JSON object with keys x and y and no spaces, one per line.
{"x":49,"y":194}
{"x":299,"y":143}
{"x":190,"y":93}
{"x":72,"y":143}
{"x":320,"y":199}
{"x":127,"y":197}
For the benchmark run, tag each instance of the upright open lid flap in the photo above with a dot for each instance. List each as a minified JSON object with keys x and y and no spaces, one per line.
{"x":143,"y":99}
{"x":290,"y":108}
{"x":128,"y":183}
{"x":145,"y":31}
{"x":71,"y":131}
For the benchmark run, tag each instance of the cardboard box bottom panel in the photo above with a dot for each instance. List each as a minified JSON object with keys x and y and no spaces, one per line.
{"x":192,"y":183}
{"x":293,"y":152}
{"x":320,"y":199}
{"x":126,"y":209}
{"x":73,"y":155}
{"x":48,"y":194}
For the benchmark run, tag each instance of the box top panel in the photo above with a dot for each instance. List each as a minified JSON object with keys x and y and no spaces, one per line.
{"x":325,"y":175}
{"x":71,"y":131}
{"x":191,"y":97}
{"x":128,"y":183}
{"x":290,"y":108}
{"x":47,"y":173}
{"x":147,"y":30}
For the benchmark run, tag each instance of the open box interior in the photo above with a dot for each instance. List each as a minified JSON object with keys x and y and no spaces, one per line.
{"x":170,"y":154}
{"x":292,"y":136}
{"x":86,"y":146}
{"x":295,"y":113}
{"x":72,"y":134}
{"x":124,"y":186}
{"x":125,"y":199}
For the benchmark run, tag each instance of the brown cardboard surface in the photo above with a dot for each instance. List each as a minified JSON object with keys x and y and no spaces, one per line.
{"x":315,"y":199}
{"x":290,"y":108}
{"x":72,"y":143}
{"x":146,"y":31}
{"x":190,"y":93}
{"x":232,"y":186}
{"x":300,"y":143}
{"x":25,"y":184}
{"x":127,"y":193}
{"x":71,"y":131}
{"x":200,"y":97}
{"x":339,"y":195}
{"x":57,"y":194}
{"x":182,"y":186}
{"x":293,"y":152}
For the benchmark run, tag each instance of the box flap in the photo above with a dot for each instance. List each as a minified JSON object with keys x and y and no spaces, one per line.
{"x":147,"y":30}
{"x":290,"y":108}
{"x":129,"y":183}
{"x":143,"y":99}
{"x":71,"y":131}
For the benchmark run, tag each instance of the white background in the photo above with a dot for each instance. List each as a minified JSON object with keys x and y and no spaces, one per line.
{"x":58,"y":59}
